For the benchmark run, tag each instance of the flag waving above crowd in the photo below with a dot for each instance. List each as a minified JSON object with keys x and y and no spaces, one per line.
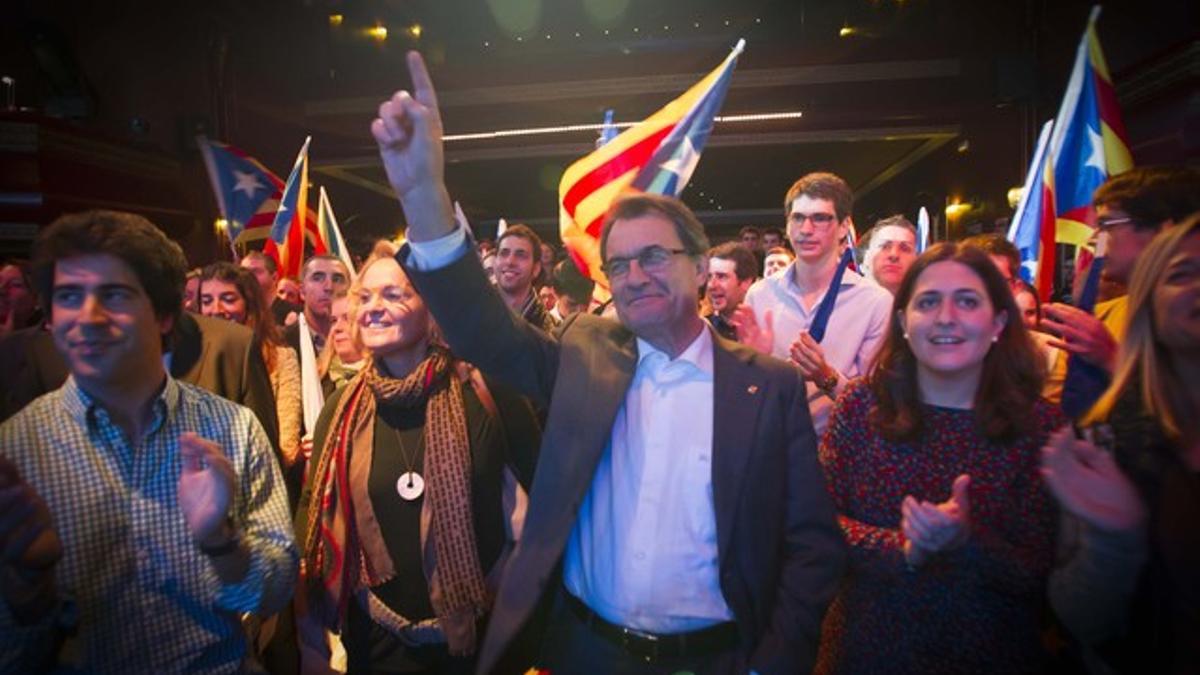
{"x":657,"y":155}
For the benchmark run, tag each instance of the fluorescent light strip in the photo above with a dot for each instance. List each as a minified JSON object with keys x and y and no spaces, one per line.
{"x":571,"y":128}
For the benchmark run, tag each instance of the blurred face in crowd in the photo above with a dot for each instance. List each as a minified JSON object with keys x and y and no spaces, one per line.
{"x":392,"y":318}
{"x":656,"y":300}
{"x":547,"y":256}
{"x":1006,"y":270}
{"x":725,"y":290}
{"x":103,"y":322}
{"x":16,"y":299}
{"x":266,"y":278}
{"x":950,"y":321}
{"x":489,"y":266}
{"x":547,"y":296}
{"x":814,"y":230}
{"x":288,"y":291}
{"x":191,"y":294}
{"x":1029,"y":308}
{"x":1177,"y":299}
{"x":221,"y":299}
{"x":750,"y":239}
{"x":341,"y":334}
{"x":516,"y":265}
{"x":770,"y":240}
{"x":1126,"y":241}
{"x":892,"y":251}
{"x":322,"y":279}
{"x":775,"y":263}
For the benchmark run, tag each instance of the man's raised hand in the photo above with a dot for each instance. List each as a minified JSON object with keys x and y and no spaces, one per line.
{"x":409,"y":134}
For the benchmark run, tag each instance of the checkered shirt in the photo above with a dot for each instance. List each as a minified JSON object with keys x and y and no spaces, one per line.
{"x":147,"y":599}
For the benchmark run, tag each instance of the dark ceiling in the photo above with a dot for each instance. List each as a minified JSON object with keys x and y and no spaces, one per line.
{"x":924,"y":100}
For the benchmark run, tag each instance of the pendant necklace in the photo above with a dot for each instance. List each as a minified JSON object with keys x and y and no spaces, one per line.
{"x":410,"y":485}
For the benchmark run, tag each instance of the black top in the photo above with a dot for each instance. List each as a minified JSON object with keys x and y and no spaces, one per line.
{"x":513,"y":439}
{"x":1165,"y":617}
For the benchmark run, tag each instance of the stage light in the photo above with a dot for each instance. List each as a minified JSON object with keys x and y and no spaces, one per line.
{"x":415,"y":31}
{"x":379,"y":32}
{"x":573,"y":128}
{"x":1014,"y":196}
{"x":336,"y":20}
{"x":847,"y":31}
{"x":956,"y":208}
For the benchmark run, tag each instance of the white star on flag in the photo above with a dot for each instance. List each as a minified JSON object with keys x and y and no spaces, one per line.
{"x":247,"y":183}
{"x":1096,"y":157}
{"x":685,"y":160}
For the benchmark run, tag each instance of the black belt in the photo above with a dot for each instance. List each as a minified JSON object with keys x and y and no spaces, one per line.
{"x":653,"y":646}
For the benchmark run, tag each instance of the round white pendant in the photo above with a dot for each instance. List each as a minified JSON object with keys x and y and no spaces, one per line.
{"x":410,"y":485}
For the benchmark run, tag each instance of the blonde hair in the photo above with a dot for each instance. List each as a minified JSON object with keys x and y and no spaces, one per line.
{"x":1144,"y":361}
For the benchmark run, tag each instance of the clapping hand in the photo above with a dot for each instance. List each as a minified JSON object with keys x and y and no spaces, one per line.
{"x":409,"y":134}
{"x":206,"y":485}
{"x":933,"y":528}
{"x":1088,"y":483}
{"x":760,"y":337}
{"x":28,"y":540}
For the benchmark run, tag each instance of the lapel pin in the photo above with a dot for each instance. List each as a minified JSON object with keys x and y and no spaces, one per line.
{"x":752,"y":389}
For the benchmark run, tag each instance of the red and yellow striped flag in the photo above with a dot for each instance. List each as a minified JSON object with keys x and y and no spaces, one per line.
{"x":657,"y":155}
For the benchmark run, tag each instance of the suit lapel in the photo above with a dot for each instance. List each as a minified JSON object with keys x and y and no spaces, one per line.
{"x":737,"y":399}
{"x":186,"y":347}
{"x":612,"y":372}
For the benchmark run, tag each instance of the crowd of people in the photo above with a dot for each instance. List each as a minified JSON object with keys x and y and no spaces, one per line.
{"x":771,"y":455}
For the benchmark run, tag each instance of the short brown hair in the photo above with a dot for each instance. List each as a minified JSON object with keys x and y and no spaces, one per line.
{"x":823,"y":185}
{"x":745,"y":263}
{"x":1152,"y":194}
{"x":636,"y":204}
{"x":994,"y":243}
{"x":158,"y":262}
{"x":523,"y":232}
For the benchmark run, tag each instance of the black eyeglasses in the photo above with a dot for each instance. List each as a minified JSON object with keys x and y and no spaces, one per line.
{"x":819,"y":220}
{"x":651,"y":259}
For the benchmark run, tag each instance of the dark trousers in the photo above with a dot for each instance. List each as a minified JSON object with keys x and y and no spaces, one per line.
{"x":371,"y":648}
{"x":570,"y":647}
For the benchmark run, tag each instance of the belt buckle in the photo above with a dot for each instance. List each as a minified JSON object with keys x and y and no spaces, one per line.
{"x":627,"y":635}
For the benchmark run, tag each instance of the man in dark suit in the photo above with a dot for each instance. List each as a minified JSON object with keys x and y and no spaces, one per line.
{"x":687,"y":540}
{"x":220,"y":356}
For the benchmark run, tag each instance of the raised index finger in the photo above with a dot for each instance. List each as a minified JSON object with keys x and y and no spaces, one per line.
{"x":423,"y":90}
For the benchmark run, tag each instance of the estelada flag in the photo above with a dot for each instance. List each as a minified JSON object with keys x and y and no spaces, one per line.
{"x":286,"y":243}
{"x":248,"y":193}
{"x":1089,"y":142}
{"x":657,"y":155}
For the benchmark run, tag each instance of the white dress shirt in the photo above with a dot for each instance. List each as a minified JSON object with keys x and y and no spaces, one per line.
{"x":643,"y":552}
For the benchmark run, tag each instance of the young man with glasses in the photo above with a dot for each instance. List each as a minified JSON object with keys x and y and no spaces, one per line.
{"x":1131,"y":208}
{"x":688,"y":541}
{"x":779,"y":310}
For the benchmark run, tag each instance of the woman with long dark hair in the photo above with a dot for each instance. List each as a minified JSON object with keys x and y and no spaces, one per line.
{"x":412,"y":499}
{"x":932,"y":460}
{"x":232,"y":293}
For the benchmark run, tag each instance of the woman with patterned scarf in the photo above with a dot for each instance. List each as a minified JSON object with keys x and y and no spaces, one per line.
{"x":412,"y":500}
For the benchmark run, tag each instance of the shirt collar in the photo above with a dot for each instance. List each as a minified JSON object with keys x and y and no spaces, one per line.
{"x":82,"y":406}
{"x":699,"y":353}
{"x":786,"y":279}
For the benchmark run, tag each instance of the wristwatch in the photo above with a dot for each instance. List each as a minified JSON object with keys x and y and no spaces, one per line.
{"x":828,"y":382}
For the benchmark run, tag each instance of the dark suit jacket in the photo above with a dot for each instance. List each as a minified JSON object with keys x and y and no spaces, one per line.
{"x":780,"y":550}
{"x":218,"y":355}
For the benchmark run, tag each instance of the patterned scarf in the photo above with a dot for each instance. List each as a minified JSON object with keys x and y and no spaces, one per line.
{"x":345,"y":551}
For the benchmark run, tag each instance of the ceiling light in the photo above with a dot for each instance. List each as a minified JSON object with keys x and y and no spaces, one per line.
{"x":415,"y":31}
{"x":378,"y":32}
{"x":572,"y":128}
{"x":336,"y":20}
{"x":847,"y":31}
